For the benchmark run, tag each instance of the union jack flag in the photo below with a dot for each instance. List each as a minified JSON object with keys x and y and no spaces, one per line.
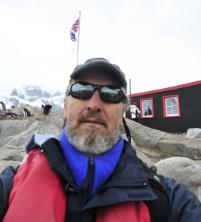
{"x":75,"y":27}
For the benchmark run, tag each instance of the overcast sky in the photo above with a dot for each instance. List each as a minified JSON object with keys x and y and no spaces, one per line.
{"x":157,"y":43}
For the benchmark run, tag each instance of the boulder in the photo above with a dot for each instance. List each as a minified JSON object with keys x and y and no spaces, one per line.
{"x":14,"y":134}
{"x":183,"y":170}
{"x":193,"y":133}
{"x":165,"y":144}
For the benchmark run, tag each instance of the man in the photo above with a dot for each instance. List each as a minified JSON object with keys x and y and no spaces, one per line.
{"x":90,"y":173}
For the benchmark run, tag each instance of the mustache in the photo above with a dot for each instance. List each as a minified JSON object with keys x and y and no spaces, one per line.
{"x":93,"y":115}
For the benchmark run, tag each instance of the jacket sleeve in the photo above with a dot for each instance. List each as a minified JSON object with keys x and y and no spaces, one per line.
{"x":184,"y":205}
{"x":6,"y":183}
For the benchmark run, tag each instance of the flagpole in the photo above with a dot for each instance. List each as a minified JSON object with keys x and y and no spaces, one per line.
{"x":78,"y":40}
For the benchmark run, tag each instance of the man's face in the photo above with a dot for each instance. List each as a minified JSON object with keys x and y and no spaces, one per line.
{"x":93,"y":125}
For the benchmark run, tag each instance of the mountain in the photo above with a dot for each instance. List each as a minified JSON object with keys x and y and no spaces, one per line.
{"x":34,"y":96}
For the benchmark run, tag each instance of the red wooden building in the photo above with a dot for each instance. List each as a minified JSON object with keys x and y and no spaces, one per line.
{"x":172,"y":109}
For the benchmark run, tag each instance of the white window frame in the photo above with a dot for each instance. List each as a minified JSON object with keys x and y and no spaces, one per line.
{"x":170,"y":108}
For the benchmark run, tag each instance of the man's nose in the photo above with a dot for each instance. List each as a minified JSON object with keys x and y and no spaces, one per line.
{"x":94,"y":103}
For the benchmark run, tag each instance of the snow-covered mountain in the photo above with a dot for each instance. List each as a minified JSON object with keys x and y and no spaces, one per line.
{"x":34,"y":96}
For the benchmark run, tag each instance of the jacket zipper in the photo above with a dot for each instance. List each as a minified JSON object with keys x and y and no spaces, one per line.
{"x":87,"y":186}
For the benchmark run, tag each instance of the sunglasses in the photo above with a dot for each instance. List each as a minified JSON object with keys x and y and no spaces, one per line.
{"x":108,"y":93}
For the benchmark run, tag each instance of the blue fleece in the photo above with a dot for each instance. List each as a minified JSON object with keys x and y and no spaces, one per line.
{"x":78,"y":162}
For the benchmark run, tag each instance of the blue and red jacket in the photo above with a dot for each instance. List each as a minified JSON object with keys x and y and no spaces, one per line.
{"x":42,"y":189}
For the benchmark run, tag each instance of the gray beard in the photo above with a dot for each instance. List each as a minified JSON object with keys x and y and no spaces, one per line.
{"x":92,"y":143}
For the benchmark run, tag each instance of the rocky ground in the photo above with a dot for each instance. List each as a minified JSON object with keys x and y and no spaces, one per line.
{"x":174,"y":155}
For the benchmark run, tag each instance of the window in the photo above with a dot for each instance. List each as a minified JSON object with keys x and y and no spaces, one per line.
{"x":171,"y":106}
{"x":146,"y":107}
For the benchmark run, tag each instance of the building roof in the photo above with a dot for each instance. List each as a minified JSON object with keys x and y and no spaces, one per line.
{"x":166,"y":89}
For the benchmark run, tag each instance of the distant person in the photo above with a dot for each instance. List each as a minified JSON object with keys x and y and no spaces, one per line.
{"x":90,"y":173}
{"x":135,"y":112}
{"x":46,"y":109}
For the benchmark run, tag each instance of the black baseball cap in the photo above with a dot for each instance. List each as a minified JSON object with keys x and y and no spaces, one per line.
{"x":101,"y":64}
